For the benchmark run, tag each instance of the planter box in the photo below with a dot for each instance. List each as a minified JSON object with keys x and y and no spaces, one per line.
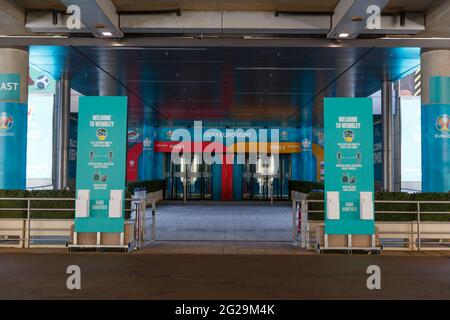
{"x":106,"y":238}
{"x":11,"y":229}
{"x":341,"y":241}
{"x":405,"y":233}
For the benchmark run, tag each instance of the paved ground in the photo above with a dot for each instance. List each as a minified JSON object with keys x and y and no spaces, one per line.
{"x":222,"y":221}
{"x":223,"y":247}
{"x":153,"y":276}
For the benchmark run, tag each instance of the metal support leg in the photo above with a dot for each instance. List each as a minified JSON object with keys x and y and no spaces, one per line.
{"x":28,"y":222}
{"x":184,"y":192}
{"x":294,"y":223}
{"x":271,"y":194}
{"x":304,"y":224}
{"x":419,"y":240}
{"x":153,"y":220}
{"x":143,"y":207}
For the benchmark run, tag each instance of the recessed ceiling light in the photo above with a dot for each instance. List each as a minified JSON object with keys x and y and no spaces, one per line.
{"x":107,"y":34}
{"x":344,"y":35}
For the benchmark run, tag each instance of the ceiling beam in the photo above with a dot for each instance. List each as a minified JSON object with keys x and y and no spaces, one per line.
{"x":227,"y":22}
{"x":99,"y":16}
{"x":40,"y":21}
{"x":438,"y":19}
{"x":12,"y":17}
{"x":350,"y":17}
{"x":269,"y":23}
{"x":407,"y":23}
{"x":165,"y":42}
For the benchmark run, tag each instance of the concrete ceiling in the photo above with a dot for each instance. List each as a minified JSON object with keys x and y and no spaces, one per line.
{"x":202,"y":5}
{"x":218,"y":5}
{"x":436,"y":13}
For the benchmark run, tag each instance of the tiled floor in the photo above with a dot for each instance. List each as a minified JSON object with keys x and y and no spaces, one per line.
{"x":223,"y":222}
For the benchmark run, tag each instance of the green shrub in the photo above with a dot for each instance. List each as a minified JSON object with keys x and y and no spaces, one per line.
{"x":11,"y":204}
{"x":304,"y":186}
{"x":148,"y":185}
{"x":44,"y":204}
{"x":411,"y":206}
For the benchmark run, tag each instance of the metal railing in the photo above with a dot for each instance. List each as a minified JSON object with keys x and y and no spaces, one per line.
{"x":25,"y":231}
{"x":301,"y":233}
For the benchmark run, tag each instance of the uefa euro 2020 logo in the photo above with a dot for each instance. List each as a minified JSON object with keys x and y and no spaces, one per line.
{"x":102,"y":134}
{"x":6,"y":121}
{"x":443,"y":123}
{"x":349,"y":135}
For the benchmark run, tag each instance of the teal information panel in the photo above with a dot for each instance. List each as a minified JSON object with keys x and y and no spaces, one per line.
{"x":10,"y":87}
{"x":349,"y":164}
{"x":101,"y":159}
{"x":13,"y":145}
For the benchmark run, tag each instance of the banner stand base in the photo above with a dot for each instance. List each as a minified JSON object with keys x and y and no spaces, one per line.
{"x":101,"y":248}
{"x":347,"y":243}
{"x":349,"y":250}
{"x":104,"y":241}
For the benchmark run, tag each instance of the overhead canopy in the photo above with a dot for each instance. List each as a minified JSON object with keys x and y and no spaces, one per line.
{"x":229,"y":86}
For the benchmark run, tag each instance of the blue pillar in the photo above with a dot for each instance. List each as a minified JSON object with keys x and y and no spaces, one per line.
{"x":13,"y":117}
{"x":148,"y":153}
{"x":436,"y":121}
{"x":306,"y":161}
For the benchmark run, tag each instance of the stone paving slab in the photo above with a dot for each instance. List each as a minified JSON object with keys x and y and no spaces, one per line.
{"x":239,"y":222}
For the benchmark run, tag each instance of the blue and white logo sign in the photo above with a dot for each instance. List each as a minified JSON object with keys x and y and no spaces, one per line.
{"x":6,"y":121}
{"x":443,"y":123}
{"x":306,"y":145}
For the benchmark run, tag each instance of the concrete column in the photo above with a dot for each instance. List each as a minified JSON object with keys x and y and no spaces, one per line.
{"x":307,"y":164}
{"x":14,"y":64}
{"x":61,"y":134}
{"x":397,"y":150}
{"x":148,"y":153}
{"x":435,"y":66}
{"x":387,"y":93}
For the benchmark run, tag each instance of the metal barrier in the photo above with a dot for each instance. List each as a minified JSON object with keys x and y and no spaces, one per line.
{"x":300,"y":225}
{"x":140,"y":209}
{"x":21,"y":230}
{"x":301,"y":232}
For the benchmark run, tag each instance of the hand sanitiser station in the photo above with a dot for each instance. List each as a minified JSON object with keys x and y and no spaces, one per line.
{"x":349,"y":176}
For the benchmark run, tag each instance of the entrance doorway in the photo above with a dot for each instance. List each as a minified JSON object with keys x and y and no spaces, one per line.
{"x":257,"y":179}
{"x":189,"y":175}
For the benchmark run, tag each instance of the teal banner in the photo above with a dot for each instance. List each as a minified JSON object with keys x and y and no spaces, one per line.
{"x":10,"y":87}
{"x":349,"y":166}
{"x":436,"y":137}
{"x":13,"y":145}
{"x":101,"y":162}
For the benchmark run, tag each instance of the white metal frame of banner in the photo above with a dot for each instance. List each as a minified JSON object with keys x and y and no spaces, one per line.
{"x":349,"y":248}
{"x":139,"y":238}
